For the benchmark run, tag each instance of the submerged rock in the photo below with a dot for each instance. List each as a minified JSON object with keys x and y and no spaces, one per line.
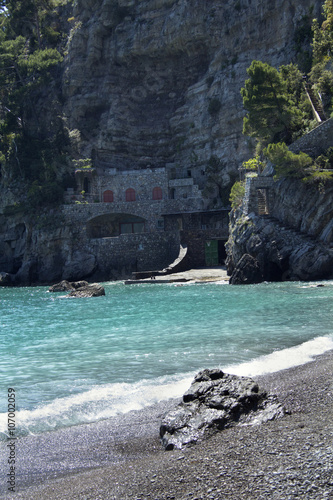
{"x":215,"y":401}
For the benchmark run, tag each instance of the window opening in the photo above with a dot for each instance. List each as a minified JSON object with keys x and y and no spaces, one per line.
{"x":157,"y":193}
{"x":130,"y":194}
{"x":108,"y":196}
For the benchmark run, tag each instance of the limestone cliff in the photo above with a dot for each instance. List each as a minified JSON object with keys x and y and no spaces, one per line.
{"x":156,"y":82}
{"x":293,"y":242}
{"x":149,"y":83}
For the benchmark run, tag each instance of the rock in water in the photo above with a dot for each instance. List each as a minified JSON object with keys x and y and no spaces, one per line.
{"x":66,"y":286}
{"x":93,"y":290}
{"x":247,"y":271}
{"x":5,"y":279}
{"x":215,"y":401}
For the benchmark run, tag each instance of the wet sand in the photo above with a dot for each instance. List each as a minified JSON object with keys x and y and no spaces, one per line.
{"x":121,"y":458}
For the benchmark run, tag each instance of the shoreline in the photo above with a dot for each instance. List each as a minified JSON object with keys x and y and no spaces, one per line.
{"x":122,"y":457}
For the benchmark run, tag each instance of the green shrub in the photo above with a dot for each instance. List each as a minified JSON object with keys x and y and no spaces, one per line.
{"x":253,"y":164}
{"x":286,"y":163}
{"x":319,"y":177}
{"x":237,"y":194}
{"x":44,"y":194}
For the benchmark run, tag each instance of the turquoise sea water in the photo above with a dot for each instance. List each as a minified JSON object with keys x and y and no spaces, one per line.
{"x":72,"y":361}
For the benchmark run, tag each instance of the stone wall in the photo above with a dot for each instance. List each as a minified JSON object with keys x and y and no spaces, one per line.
{"x":151,"y":211}
{"x":317,"y":141}
{"x":142,"y":181}
{"x":253,"y":187}
{"x":120,"y":257}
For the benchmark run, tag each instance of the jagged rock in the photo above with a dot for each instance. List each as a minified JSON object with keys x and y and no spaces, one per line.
{"x":93,"y":290}
{"x":5,"y":279}
{"x":138,"y":80}
{"x":66,"y":286}
{"x":215,"y":401}
{"x":247,"y":271}
{"x":295,"y":242}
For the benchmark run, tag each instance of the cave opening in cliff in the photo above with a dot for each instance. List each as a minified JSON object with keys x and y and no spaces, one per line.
{"x":273,"y":272}
{"x":277,"y":272}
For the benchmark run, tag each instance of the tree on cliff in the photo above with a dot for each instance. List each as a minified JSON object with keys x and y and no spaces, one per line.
{"x":323,"y":35}
{"x":218,"y":183}
{"x":32,"y":137}
{"x":273,"y":115}
{"x":321,"y":75}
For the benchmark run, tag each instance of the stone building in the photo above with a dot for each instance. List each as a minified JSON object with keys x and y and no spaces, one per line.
{"x":145,"y":218}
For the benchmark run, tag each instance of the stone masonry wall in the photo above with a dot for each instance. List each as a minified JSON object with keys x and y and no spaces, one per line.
{"x":252,"y":185}
{"x":120,"y":257}
{"x":142,"y":181}
{"x":317,"y":141}
{"x":151,"y":210}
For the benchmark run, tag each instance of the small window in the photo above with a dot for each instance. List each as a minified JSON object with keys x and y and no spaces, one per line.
{"x":86,"y":185}
{"x":157,"y":193}
{"x":108,"y":196}
{"x":132,"y":227}
{"x":130,"y":194}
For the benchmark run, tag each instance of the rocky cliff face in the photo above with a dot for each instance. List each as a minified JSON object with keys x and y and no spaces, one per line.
{"x":293,"y":242}
{"x":157,"y":82}
{"x":151,"y":82}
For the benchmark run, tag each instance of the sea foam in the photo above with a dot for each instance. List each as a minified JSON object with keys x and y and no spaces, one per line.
{"x":108,"y":400}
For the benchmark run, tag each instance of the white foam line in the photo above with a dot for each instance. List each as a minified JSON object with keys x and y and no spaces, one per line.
{"x":105,"y":401}
{"x":281,"y":360}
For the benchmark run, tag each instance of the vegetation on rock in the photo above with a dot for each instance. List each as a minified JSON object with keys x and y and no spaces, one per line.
{"x":271,"y":99}
{"x":34,"y":140}
{"x":279,"y":111}
{"x":237,"y":194}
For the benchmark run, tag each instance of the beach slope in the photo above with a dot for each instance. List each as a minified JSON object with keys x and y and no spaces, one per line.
{"x":288,"y":458}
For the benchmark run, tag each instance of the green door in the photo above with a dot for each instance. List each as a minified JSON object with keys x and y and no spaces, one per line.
{"x":212,"y":253}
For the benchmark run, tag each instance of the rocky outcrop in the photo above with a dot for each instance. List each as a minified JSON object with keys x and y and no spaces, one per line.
{"x":67,"y":286}
{"x":247,"y":271}
{"x":158,"y":82}
{"x":154,"y":83}
{"x":44,"y":249}
{"x":79,"y":289}
{"x":6,"y":279}
{"x":216,"y":401}
{"x":92,"y":290}
{"x":294,"y":242}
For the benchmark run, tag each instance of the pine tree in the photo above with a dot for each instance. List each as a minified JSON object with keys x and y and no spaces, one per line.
{"x":323,"y":35}
{"x":272,"y":113}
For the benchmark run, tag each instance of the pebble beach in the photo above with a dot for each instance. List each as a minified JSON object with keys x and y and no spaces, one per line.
{"x":122,"y":458}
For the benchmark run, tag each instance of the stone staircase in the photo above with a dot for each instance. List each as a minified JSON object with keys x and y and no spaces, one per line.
{"x":262,"y":202}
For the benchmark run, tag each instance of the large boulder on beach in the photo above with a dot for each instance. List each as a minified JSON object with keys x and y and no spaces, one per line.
{"x":215,"y":401}
{"x":92,"y":290}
